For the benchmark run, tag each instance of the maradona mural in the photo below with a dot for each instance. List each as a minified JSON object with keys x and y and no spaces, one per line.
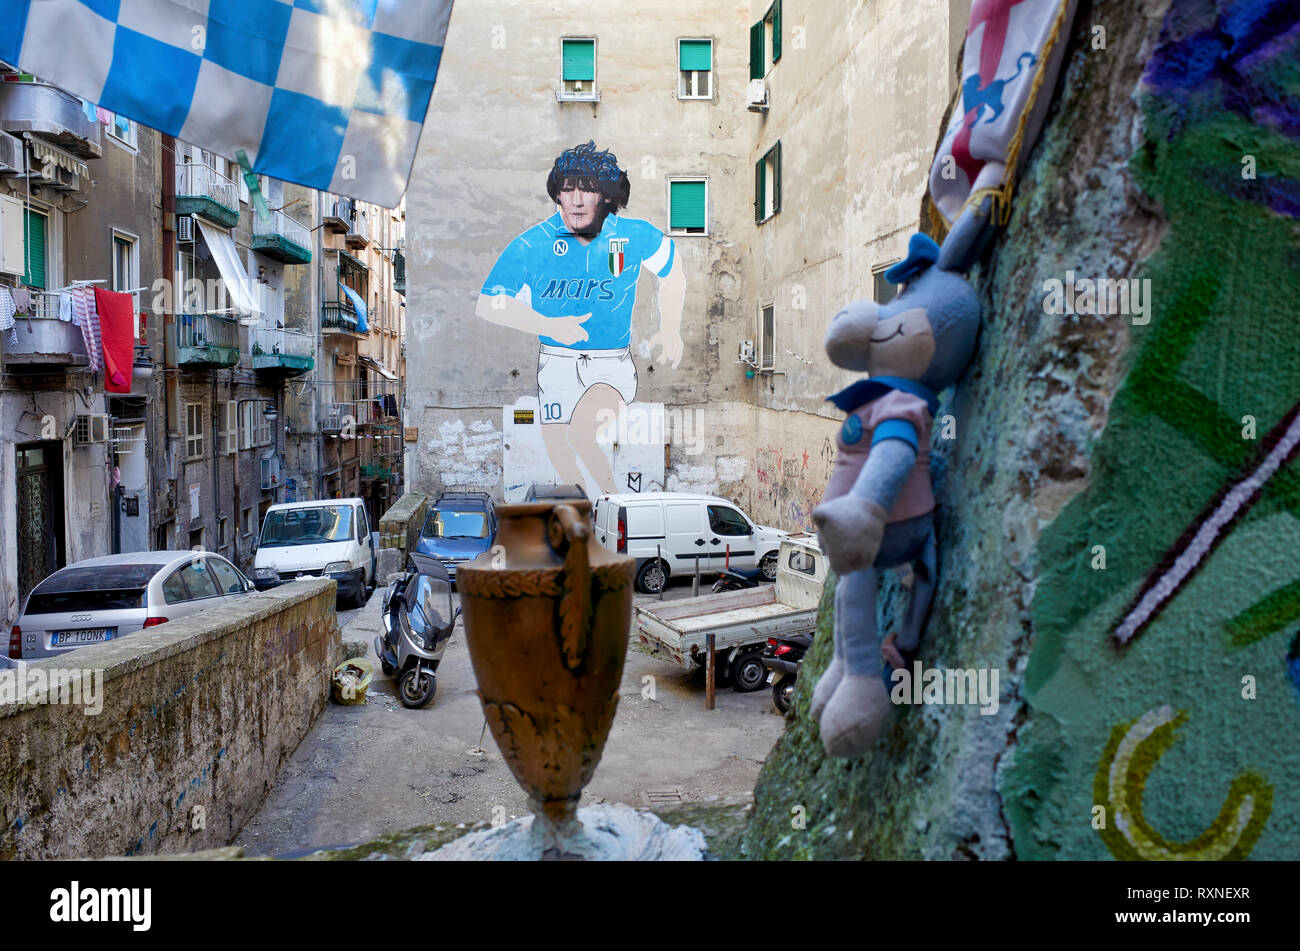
{"x":571,"y":280}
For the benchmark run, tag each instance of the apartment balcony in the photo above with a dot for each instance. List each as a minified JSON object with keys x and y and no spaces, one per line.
{"x":338,"y":417}
{"x":337,"y":214}
{"x":204,"y":341}
{"x":201,"y":190}
{"x":278,"y":236}
{"x":339,"y":317}
{"x":52,"y":114}
{"x":43,"y":339}
{"x":380,"y":471}
{"x":282,"y":353}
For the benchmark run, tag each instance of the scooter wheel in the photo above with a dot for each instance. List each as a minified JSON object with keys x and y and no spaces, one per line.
{"x":387,"y":668}
{"x":783,"y":693}
{"x":415,"y":687}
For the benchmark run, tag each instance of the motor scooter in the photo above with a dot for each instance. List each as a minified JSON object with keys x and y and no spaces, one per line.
{"x":737,"y":579}
{"x":782,"y":656}
{"x":416,"y":629}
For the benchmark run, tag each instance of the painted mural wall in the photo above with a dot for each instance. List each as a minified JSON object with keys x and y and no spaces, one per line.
{"x":1118,"y":512}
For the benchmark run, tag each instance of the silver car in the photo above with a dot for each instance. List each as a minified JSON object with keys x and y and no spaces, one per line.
{"x":102,"y":599}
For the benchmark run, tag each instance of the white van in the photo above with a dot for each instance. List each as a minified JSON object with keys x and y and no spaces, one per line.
{"x":329,"y":538}
{"x":681,"y":527}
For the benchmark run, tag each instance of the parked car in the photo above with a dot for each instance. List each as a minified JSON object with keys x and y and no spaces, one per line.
{"x":103,"y":599}
{"x":459,"y":526}
{"x":542,"y":492}
{"x":679,"y":528}
{"x":328,"y":538}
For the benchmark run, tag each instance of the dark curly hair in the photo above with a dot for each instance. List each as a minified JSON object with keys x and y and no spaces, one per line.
{"x":591,"y":171}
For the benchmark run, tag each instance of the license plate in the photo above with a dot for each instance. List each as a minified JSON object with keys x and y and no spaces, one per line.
{"x":76,"y":638}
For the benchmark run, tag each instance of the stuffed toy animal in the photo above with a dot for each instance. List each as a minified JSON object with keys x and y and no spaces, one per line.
{"x":878,"y":510}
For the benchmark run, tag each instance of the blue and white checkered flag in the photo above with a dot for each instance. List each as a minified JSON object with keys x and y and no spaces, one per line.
{"x":325,"y":93}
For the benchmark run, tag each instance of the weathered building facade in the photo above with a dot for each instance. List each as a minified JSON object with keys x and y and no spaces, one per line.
{"x":251,"y":382}
{"x":752,"y":140}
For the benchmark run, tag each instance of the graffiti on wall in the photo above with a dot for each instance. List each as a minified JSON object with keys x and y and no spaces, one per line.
{"x":1194,"y":502}
{"x":789,"y":484}
{"x":571,"y":281}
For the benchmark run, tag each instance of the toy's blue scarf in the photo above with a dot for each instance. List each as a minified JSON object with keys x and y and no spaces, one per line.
{"x":864,"y":391}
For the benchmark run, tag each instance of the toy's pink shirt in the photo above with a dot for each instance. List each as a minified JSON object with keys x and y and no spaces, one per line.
{"x":916,"y":497}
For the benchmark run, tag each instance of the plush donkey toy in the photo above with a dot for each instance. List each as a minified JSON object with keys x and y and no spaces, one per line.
{"x":878,"y":511}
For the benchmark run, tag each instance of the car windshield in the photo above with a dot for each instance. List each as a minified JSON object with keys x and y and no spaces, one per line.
{"x":102,"y":588}
{"x":309,"y":526}
{"x":449,"y":524}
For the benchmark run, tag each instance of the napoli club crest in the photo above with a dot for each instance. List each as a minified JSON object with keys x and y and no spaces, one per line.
{"x":616,"y":246}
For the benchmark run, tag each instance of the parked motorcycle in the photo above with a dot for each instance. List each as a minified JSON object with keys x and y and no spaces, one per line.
{"x":416,"y":629}
{"x":782,"y":657}
{"x":737,"y":579}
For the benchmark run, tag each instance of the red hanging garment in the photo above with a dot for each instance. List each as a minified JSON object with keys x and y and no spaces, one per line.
{"x":117,"y":329}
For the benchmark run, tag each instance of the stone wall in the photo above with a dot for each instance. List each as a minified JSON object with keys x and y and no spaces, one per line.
{"x":399,"y":528}
{"x":195,"y":719}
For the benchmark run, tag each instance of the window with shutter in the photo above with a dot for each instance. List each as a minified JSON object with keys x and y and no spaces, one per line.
{"x":688,"y":206}
{"x":765,"y":42}
{"x":35,"y":232}
{"x":767,"y":184}
{"x":578,"y":68}
{"x":695,"y":67}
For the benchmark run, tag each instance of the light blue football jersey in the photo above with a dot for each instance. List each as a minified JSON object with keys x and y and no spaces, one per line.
{"x":566,"y":278}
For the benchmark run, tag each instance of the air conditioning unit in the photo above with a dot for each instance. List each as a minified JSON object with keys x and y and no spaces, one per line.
{"x":11,"y":155}
{"x":756,"y":96}
{"x":747,"y":354}
{"x":184,"y":229}
{"x":90,"y":430}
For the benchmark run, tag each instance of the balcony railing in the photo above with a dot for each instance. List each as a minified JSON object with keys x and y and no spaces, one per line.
{"x":207,"y":340}
{"x":201,"y":190}
{"x":338,"y":315}
{"x":289,"y":352}
{"x":43,"y":338}
{"x":277,"y":235}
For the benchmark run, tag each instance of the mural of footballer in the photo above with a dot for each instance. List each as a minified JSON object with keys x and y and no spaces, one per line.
{"x":571,"y":280}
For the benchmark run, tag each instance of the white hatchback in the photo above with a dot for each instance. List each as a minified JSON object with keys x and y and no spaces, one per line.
{"x":102,"y":599}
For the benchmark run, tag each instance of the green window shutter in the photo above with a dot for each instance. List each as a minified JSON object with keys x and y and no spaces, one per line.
{"x":756,"y":51}
{"x":760,"y":192}
{"x":776,"y":178}
{"x":34,"y":236}
{"x":776,"y":31}
{"x":580,"y":60}
{"x":688,"y":206}
{"x":695,"y":54}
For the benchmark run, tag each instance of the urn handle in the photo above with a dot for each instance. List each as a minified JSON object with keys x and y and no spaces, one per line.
{"x":569,"y":534}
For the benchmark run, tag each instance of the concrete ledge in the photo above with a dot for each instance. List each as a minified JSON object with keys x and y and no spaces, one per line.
{"x":168,"y":740}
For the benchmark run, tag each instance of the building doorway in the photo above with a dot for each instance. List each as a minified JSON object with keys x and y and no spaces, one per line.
{"x":40,"y":513}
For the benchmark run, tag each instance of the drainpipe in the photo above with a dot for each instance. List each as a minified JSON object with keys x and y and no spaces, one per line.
{"x":171,"y":373}
{"x":216,"y":461}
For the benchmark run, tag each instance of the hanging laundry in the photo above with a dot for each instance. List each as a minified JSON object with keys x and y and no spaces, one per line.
{"x":22,"y":300}
{"x":65,"y":306}
{"x":103,"y":115}
{"x":7,"y":316}
{"x":122,"y":125}
{"x":86,"y":317}
{"x":117,"y":324}
{"x":88,"y":108}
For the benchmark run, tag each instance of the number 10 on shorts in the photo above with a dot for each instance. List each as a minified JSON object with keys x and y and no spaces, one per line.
{"x":552,"y":412}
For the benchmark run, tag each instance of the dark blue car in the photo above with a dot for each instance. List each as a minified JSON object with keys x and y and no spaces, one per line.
{"x":459,"y":526}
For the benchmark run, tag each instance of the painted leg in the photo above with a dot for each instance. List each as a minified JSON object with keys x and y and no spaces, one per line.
{"x":594,"y":412}
{"x":564,"y":461}
{"x":856,"y":714}
{"x":830,"y":678}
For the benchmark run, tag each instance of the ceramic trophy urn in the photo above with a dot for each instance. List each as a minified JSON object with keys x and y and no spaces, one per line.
{"x":547,"y":614}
